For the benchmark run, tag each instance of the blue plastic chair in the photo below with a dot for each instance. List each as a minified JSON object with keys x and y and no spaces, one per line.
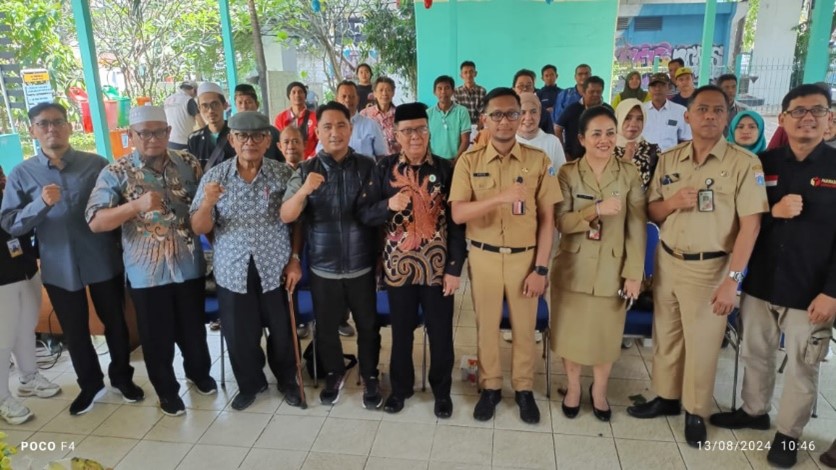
{"x":639,"y":323}
{"x":541,"y":325}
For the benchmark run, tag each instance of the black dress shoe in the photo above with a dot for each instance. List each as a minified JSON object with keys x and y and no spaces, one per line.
{"x":529,"y":412}
{"x":291,"y":393}
{"x":657,"y":407}
{"x":603,"y":415}
{"x":783,"y":452}
{"x":394,"y":404}
{"x":571,"y":412}
{"x":487,"y":404}
{"x":739,"y":419}
{"x":242,"y":401}
{"x":695,"y":432}
{"x":443,"y":407}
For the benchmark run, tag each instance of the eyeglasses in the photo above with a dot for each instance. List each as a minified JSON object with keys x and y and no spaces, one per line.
{"x":255,"y":137}
{"x":158,"y":134}
{"x":497,"y":116}
{"x":410,"y":131}
{"x":214,"y":105}
{"x":816,"y":111}
{"x":45,"y":123}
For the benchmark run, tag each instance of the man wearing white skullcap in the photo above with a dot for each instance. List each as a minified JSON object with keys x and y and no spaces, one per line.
{"x":210,"y":144}
{"x":182,"y":113}
{"x":148,"y":194}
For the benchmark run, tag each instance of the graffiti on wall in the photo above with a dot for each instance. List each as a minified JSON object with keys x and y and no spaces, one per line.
{"x":643,"y":55}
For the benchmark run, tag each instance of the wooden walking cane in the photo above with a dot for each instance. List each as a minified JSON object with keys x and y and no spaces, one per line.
{"x":304,"y":403}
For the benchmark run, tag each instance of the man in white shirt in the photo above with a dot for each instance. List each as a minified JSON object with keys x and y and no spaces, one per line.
{"x":366,"y":136}
{"x":181,"y":113}
{"x":665,"y":124}
{"x":530,"y":133}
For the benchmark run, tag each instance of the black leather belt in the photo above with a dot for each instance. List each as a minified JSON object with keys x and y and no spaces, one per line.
{"x":505,"y":250}
{"x":693,"y":256}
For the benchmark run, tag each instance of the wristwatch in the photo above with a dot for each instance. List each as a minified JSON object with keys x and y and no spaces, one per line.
{"x":296,"y":257}
{"x":541,"y":270}
{"x":736,"y":276}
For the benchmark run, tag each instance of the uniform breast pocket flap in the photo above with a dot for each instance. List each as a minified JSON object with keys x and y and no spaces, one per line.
{"x":483,"y":184}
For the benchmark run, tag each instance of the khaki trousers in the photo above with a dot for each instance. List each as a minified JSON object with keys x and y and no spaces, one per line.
{"x":806,"y":346}
{"x":687,"y":335}
{"x":492,"y":277}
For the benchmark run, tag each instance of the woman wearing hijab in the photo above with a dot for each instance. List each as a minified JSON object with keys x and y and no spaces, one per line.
{"x":632,"y":89}
{"x":747,"y":131}
{"x":630,"y":146}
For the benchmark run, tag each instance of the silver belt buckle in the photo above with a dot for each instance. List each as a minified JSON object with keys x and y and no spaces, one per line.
{"x":505,"y":250}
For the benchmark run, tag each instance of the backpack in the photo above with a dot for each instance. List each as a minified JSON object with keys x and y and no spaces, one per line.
{"x":351,"y":361}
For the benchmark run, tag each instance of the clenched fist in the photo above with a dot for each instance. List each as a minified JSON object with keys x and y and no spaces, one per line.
{"x":788,"y":207}
{"x":685,"y":198}
{"x":51,"y":194}
{"x":609,"y":206}
{"x":212,"y":193}
{"x":399,"y":201}
{"x":149,"y":202}
{"x":312,"y":183}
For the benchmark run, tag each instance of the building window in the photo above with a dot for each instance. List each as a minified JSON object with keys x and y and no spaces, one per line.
{"x":623,"y":23}
{"x":648,"y":23}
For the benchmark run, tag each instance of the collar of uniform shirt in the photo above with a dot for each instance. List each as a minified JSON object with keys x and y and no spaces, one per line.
{"x":66,"y":159}
{"x":516,"y":151}
{"x":813,"y":157}
{"x":403,"y":160}
{"x":718,"y":151}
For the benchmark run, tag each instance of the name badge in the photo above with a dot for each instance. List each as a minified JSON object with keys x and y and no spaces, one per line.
{"x":672,"y":122}
{"x":584,"y":196}
{"x":481,"y":175}
{"x":594,"y":233}
{"x":705,"y":200}
{"x":14,"y":247}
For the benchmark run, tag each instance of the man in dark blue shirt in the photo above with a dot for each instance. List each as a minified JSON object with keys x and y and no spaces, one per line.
{"x":791,"y":285}
{"x":548,"y":94}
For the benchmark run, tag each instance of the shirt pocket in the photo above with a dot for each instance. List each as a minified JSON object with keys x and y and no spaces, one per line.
{"x":484,"y":187}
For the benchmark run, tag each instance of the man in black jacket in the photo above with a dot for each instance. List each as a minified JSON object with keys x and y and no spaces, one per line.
{"x":210,"y":144}
{"x":422,"y":256}
{"x":323,"y":192}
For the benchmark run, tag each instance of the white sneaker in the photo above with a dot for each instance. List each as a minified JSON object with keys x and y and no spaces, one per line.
{"x":13,"y":411}
{"x":508,"y":337}
{"x":37,"y":385}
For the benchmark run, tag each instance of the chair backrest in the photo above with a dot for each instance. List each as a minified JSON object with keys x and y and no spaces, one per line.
{"x":542,"y":320}
{"x":650,"y":253}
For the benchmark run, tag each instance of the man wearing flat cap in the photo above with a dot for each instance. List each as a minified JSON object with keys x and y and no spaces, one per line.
{"x":147,"y":194}
{"x":48,"y":193}
{"x":210,"y":144}
{"x":665,"y":126}
{"x":239,"y":201}
{"x":182,"y":113}
{"x":423,"y":253}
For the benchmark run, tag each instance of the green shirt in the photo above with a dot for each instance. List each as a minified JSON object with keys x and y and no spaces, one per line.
{"x":446,"y":129}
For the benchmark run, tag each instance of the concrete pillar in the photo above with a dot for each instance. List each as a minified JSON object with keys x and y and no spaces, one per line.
{"x":770,"y":68}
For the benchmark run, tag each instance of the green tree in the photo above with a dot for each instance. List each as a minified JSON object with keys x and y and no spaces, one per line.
{"x":390,"y":31}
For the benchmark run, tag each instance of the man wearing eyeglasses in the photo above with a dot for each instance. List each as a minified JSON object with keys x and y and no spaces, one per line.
{"x":210,"y":144}
{"x":147,"y":194}
{"x":48,"y":193}
{"x":707,"y":197}
{"x":791,"y":285}
{"x":423,"y":253}
{"x":505,"y":193}
{"x":239,"y":201}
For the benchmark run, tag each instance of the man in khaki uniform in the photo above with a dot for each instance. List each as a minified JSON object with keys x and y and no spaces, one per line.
{"x":707,"y":197}
{"x":510,"y":245}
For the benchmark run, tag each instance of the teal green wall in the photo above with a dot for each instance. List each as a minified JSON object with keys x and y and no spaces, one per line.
{"x":503,"y":36}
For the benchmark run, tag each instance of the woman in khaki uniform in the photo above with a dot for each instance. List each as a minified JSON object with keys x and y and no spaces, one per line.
{"x":602,"y":219}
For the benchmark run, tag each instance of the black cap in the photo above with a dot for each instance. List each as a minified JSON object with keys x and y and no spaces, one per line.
{"x":409,"y":111}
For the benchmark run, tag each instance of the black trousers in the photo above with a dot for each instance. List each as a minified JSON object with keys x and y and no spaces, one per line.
{"x":243,"y":316}
{"x":72,"y":310}
{"x":169,"y":314}
{"x":331,"y":299}
{"x":438,"y":317}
